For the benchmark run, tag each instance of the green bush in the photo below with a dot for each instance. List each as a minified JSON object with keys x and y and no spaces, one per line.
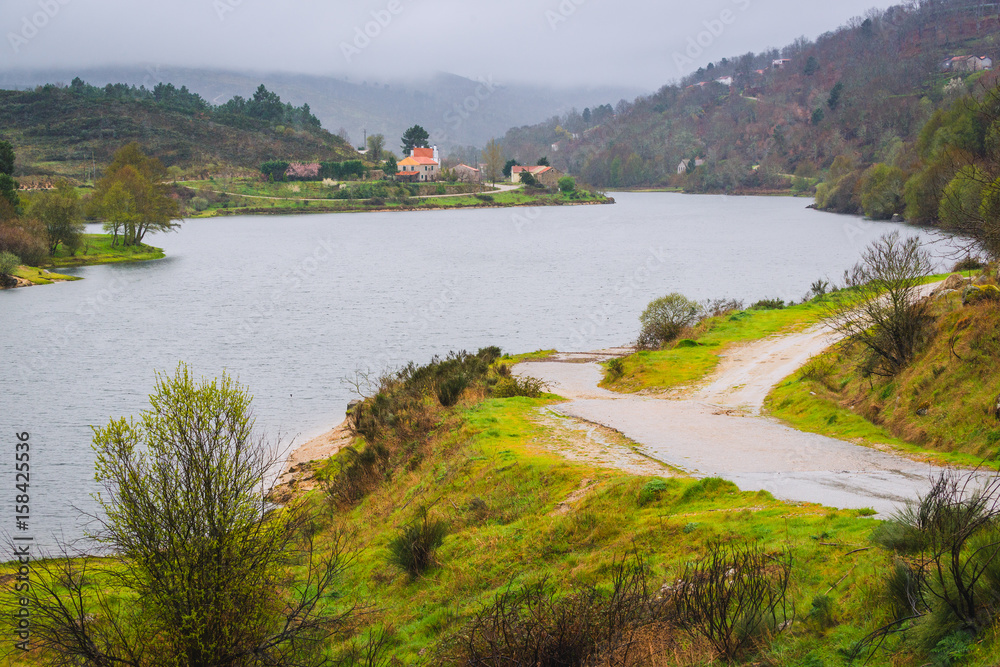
{"x":199,"y":204}
{"x":511,"y":387}
{"x":8,"y":264}
{"x":665,"y":318}
{"x":882,"y":189}
{"x":768,"y":304}
{"x":567,"y":184}
{"x":450,"y":389}
{"x":652,"y":491}
{"x":412,"y":550}
{"x":616,"y":368}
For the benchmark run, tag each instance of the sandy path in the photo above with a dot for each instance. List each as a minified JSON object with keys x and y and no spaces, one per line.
{"x":715,"y":429}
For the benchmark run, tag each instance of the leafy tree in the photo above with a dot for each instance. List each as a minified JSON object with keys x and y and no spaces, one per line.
{"x":62,"y":214}
{"x":493,"y":157}
{"x":415,"y":137}
{"x":391,"y":166}
{"x":275,"y":170}
{"x":835,"y":95}
{"x":543,"y":162}
{"x":201,"y":575}
{"x":133,"y":198}
{"x":567,"y":184}
{"x":665,"y":318}
{"x":508,"y":167}
{"x":8,"y":186}
{"x":616,"y":172}
{"x":882,"y":191}
{"x":812,"y":66}
{"x":528,"y":180}
{"x":376,"y":144}
{"x":6,"y":158}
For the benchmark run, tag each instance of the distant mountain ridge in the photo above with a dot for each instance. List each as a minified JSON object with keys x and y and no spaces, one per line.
{"x":458,"y":112}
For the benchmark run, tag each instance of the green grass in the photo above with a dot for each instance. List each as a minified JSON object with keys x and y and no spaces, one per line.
{"x":98,"y":249}
{"x":41,"y":276}
{"x":663,"y":370}
{"x":940,"y":407}
{"x":540,"y":355}
{"x":667,"y":369}
{"x":498,"y":491}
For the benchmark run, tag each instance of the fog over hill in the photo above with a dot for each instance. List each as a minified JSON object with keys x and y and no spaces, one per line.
{"x":457,"y":111}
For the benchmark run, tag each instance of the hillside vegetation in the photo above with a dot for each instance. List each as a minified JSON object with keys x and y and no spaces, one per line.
{"x":73,"y":131}
{"x":862,"y":92}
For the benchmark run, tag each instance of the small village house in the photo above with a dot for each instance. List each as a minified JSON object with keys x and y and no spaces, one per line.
{"x":682,"y":168}
{"x":967,"y":64}
{"x":466,"y":174}
{"x":780,"y":63}
{"x":422,"y":165}
{"x":547,"y":176}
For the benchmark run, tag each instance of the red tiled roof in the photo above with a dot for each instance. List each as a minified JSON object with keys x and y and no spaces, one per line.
{"x":423,"y":152}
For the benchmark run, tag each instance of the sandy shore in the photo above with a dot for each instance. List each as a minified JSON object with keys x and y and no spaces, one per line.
{"x":298,"y":471}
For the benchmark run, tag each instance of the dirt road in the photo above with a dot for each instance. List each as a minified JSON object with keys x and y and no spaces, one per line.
{"x":715,"y":429}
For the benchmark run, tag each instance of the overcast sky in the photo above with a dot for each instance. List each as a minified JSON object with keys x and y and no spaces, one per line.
{"x":641,"y":43}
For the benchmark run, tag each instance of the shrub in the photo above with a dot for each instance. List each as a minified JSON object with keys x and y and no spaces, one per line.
{"x":440,"y":189}
{"x":735,"y":597}
{"x":450,"y":389}
{"x":199,"y":203}
{"x":891,"y":319}
{"x":8,"y":264}
{"x":768,"y":304}
{"x":531,"y":625}
{"x":946,"y":581}
{"x":665,"y":318}
{"x":969,"y":264}
{"x":720,"y":307}
{"x":567,"y":184}
{"x":652,"y":491}
{"x":616,"y":368}
{"x":412,"y":550}
{"x":511,"y":387}
{"x":485,"y":198}
{"x":24,"y":238}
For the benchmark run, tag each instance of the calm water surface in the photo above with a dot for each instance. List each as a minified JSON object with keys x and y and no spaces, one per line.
{"x":293,"y":305}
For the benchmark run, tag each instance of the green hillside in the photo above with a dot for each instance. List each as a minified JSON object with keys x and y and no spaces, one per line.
{"x":70,"y":131}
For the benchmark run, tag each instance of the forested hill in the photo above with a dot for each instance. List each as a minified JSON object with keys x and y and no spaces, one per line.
{"x":66,"y":131}
{"x":864,"y":91}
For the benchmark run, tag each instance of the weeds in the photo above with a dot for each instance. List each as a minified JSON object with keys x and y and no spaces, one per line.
{"x":511,"y":387}
{"x":735,"y":597}
{"x":531,"y":625}
{"x":412,"y":550}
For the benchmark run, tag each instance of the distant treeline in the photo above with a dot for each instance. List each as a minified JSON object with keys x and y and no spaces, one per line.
{"x":263,"y":107}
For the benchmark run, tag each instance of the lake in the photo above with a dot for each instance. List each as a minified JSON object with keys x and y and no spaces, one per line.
{"x":295,"y":305}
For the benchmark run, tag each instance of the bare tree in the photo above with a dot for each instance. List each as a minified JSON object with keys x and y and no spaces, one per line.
{"x":891,"y":314}
{"x":493,"y":157}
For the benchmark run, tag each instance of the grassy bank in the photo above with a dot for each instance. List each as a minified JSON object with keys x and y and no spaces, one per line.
{"x":944,"y":402}
{"x":37,"y":276}
{"x":697,"y":355}
{"x":98,"y":249}
{"x":288,"y":202}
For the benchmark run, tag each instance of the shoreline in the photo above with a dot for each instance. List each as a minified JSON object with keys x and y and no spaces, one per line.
{"x":229,"y":213}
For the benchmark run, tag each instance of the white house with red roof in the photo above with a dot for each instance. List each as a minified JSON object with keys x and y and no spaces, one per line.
{"x":422,"y":165}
